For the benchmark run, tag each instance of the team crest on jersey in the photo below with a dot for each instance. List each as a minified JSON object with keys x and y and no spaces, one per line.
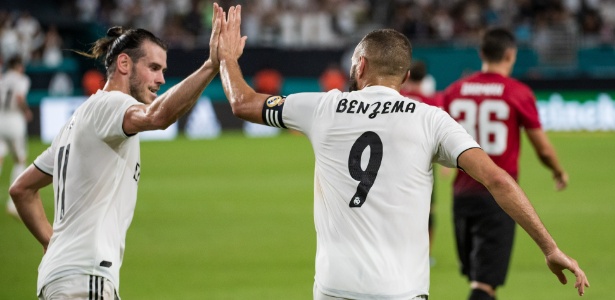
{"x":275,"y":101}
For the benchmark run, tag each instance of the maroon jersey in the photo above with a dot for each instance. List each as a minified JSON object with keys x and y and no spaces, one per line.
{"x":492,"y":108}
{"x":420,"y":97}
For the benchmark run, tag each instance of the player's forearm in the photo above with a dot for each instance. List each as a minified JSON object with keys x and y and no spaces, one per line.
{"x":548,"y":157}
{"x":245,"y":102}
{"x":507,"y":194}
{"x":544,"y":150}
{"x":32,"y":213}
{"x":515,"y":203}
{"x":180,"y":98}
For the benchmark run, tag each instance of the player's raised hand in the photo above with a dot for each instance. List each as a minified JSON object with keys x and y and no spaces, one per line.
{"x":559,"y":261}
{"x":231,"y":43}
{"x":216,"y":24}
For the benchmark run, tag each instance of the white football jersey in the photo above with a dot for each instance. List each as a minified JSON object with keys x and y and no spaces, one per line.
{"x":373,"y":180}
{"x":12,"y":84}
{"x":13,"y":124}
{"x":95,"y":168}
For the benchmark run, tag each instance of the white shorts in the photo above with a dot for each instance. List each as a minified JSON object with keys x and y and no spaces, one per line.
{"x":79,"y":287}
{"x":318,"y":295}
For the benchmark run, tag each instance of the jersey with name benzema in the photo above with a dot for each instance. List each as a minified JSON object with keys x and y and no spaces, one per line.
{"x":492,"y":108}
{"x":372,"y":185}
{"x":95,"y":168}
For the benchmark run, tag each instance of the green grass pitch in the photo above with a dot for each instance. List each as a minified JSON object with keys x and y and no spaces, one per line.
{"x":232,"y":218}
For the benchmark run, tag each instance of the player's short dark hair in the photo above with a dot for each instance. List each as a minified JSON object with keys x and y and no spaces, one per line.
{"x":121,"y":40}
{"x":14,"y":62}
{"x":418,"y":71}
{"x":495,"y":42}
{"x":389,"y":52}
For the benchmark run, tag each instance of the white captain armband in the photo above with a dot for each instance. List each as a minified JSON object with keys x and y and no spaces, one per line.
{"x":272,"y":111}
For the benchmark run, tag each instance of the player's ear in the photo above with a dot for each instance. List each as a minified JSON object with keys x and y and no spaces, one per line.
{"x":406,"y":77}
{"x":123,"y":63}
{"x":510,"y":55}
{"x":361,"y":66}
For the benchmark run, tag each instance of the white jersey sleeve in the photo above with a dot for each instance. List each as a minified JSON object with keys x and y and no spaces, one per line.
{"x":44,"y":162}
{"x":298,"y":114}
{"x":300,"y":109}
{"x":452,"y":140}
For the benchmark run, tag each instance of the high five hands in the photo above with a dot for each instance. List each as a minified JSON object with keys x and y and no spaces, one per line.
{"x":230,"y":41}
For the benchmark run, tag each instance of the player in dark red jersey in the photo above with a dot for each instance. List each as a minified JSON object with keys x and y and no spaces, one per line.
{"x":493,"y":108}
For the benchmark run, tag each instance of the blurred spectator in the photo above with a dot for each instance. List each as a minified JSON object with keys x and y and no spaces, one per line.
{"x":30,"y":34}
{"x":87,"y":9}
{"x":335,"y":23}
{"x":60,"y":85}
{"x":9,"y":39}
{"x":556,"y":37}
{"x":154,"y":12}
{"x":52,"y":48}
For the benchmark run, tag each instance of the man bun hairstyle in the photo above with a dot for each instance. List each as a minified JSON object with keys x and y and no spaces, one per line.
{"x":121,"y":40}
{"x":495,"y":42}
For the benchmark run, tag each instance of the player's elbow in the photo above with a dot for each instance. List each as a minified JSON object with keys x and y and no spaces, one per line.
{"x":240,"y":111}
{"x":17,"y":190}
{"x":241,"y":108}
{"x":161,"y":121}
{"x":498,"y":180}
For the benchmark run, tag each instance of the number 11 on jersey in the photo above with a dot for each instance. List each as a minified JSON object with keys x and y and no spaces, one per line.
{"x":365,"y":177}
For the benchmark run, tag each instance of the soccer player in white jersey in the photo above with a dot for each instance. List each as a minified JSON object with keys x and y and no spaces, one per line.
{"x":94,"y":164}
{"x":14,"y":115}
{"x":373,"y":173}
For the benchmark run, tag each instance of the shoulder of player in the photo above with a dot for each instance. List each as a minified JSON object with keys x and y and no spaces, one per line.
{"x":104,"y":100}
{"x":517,"y":86}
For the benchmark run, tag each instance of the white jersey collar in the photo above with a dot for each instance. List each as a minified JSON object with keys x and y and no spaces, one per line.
{"x":380,"y":89}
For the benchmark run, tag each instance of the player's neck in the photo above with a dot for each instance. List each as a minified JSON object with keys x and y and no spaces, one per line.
{"x":387,"y":81}
{"x":497,"y":68}
{"x":116,"y":85}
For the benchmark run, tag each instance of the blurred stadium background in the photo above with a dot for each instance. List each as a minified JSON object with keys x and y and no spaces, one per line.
{"x":222,"y":216}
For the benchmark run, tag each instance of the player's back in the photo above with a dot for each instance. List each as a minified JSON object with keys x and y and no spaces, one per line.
{"x":492,"y":108}
{"x":373,"y":177}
